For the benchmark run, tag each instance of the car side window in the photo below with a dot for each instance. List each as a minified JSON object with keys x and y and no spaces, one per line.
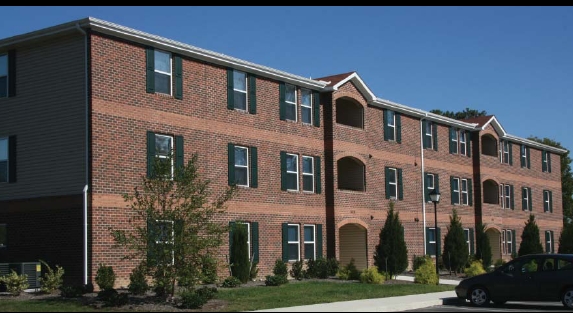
{"x":529,"y":266}
{"x":548,"y":265}
{"x":564,"y":265}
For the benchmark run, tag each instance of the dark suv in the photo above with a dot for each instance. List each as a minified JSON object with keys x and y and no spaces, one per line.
{"x":535,"y":277}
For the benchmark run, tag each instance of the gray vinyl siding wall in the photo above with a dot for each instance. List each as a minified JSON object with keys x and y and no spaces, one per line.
{"x":47,"y":116}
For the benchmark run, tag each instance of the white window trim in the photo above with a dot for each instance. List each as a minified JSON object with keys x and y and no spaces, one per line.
{"x":393,"y":125}
{"x":526,"y":198}
{"x":432,"y":230}
{"x":550,"y":242}
{"x":507,"y":196}
{"x":308,"y":174}
{"x":169,"y":241}
{"x":546,"y":200}
{"x":430,"y":127}
{"x":463,"y":142}
{"x":546,"y":161}
{"x":248,"y":237}
{"x":171,"y":152}
{"x":245,"y":166}
{"x":7,"y":74}
{"x":295,"y":242}
{"x":303,"y":105}
{"x":458,"y":191}
{"x":6,"y":139}
{"x":395,"y":183}
{"x":468,"y":240}
{"x":242,"y":91}
{"x":509,"y":241}
{"x":462,"y":192}
{"x":293,"y":103}
{"x":310,"y":242}
{"x":170,"y":74}
{"x":505,"y":151}
{"x":503,"y":245}
{"x":456,"y":140}
{"x":524,"y":154}
{"x":432,"y":179}
{"x":291,"y":172}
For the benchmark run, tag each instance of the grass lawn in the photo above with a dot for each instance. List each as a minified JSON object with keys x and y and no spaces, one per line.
{"x":249,"y":298}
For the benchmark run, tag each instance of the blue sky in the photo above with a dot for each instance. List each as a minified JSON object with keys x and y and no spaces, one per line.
{"x":513,"y":62}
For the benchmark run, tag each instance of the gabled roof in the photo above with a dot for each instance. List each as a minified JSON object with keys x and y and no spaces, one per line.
{"x":335,"y":79}
{"x":479,"y":120}
{"x":341,"y":79}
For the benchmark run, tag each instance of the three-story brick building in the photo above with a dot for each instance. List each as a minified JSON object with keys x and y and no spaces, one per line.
{"x":88,"y":105}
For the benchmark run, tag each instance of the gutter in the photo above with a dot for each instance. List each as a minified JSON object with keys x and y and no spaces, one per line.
{"x":423,"y":180}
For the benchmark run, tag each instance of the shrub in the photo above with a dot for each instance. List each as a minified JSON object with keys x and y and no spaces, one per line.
{"x":371,"y":276}
{"x":71,"y":291}
{"x":498,"y":263}
{"x":280,"y":268}
{"x":106,"y":294}
{"x":483,"y":247}
{"x":196,"y":298}
{"x":349,"y":271}
{"x":275,"y":280}
{"x":137,"y":281}
{"x":52,"y":280}
{"x":15,"y":283}
{"x":318,"y":268}
{"x":254,"y":271}
{"x":474,"y":269}
{"x":105,"y":277}
{"x":240,"y":263}
{"x":231,"y":282}
{"x":455,"y":254}
{"x":297,"y":270}
{"x":419,"y":260}
{"x":426,"y":274}
{"x":87,"y":288}
{"x":332,"y":266}
{"x":113,"y":298}
{"x":530,"y":241}
{"x":209,"y":270}
{"x":391,"y":254}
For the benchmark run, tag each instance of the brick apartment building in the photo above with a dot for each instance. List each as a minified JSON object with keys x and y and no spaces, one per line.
{"x":86,"y":105}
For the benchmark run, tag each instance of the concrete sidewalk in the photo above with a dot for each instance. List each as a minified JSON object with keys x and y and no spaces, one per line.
{"x":442,"y":281}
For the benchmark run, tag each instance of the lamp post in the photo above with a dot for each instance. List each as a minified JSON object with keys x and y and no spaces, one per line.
{"x":435,"y":197}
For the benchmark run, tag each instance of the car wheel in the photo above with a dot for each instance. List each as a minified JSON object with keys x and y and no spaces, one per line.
{"x":567,"y":298}
{"x":479,"y":296}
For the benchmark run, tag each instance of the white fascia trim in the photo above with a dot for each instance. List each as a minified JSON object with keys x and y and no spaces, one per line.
{"x":358,"y":82}
{"x":198,"y":53}
{"x":534,"y":144}
{"x":496,"y":125}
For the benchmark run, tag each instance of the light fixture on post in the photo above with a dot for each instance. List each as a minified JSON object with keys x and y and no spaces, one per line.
{"x":435,"y":197}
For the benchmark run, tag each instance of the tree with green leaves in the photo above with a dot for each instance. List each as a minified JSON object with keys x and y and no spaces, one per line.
{"x":566,"y":239}
{"x":462,"y":115}
{"x":391,"y":255}
{"x":456,"y":253}
{"x":566,"y":178}
{"x":530,"y":241}
{"x":240,"y":263}
{"x":174,"y":225}
{"x":483,"y":247}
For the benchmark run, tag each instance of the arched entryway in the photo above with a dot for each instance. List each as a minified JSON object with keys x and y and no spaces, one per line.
{"x":494,"y":237}
{"x":353,"y":245}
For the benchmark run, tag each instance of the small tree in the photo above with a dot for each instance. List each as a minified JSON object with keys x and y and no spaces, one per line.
{"x":530,"y":242}
{"x":566,"y":239}
{"x":455,"y":246}
{"x":391,"y":254}
{"x":483,"y":247}
{"x":175,"y":224}
{"x":240,"y":263}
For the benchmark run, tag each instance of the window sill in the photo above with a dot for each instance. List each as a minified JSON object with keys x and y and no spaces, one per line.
{"x":292,"y":191}
{"x":351,"y":191}
{"x":165,"y":95}
{"x":349,"y":126}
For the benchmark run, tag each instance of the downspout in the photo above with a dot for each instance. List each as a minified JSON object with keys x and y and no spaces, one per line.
{"x":423,"y":179}
{"x":86,"y":187}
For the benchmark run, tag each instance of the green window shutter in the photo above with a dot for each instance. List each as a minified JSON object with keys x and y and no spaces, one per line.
{"x":511,"y":197}
{"x":549,"y":162}
{"x":316,"y":108}
{"x":453,"y":147}
{"x":552,"y":242}
{"x":470,"y":192}
{"x":469,"y":143}
{"x":318,"y":241}
{"x":231,"y":163}
{"x":400,"y":185}
{"x":385,"y":124}
{"x":426,"y":184}
{"x":12,"y":159}
{"x":282,"y":103}
{"x":252,"y":94}
{"x":151,"y":245}
{"x":11,"y":73}
{"x":386,"y":175}
{"x":254,"y":168}
{"x":436,"y":182}
{"x":150,"y":153}
{"x":510,"y":153}
{"x":528,"y":158}
{"x":231,"y":229}
{"x":398,"y":128}
{"x":426,"y":139}
{"x":285,"y":242}
{"x":524,"y":195}
{"x":439,"y":241}
{"x":513,"y":242}
{"x":543,"y":163}
{"x":230,"y":89}
{"x":551,"y":201}
{"x":435,"y":135}
{"x":452,"y":190}
{"x":429,"y":249}
{"x":530,"y":200}
{"x":283,"y":171}
{"x":521,"y":156}
{"x":255,"y":240}
{"x":472,"y":245}
{"x":317,"y":174}
{"x":547,"y":244}
{"x":150,"y":69}
{"x":178,"y":77}
{"x":179,"y":152}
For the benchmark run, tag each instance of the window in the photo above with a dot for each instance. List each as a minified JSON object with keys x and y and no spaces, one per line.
{"x":547,"y":201}
{"x":248,"y":225}
{"x":309,"y":242}
{"x":292,"y":171}
{"x":526,"y":202}
{"x":468,"y":241}
{"x":240,"y":90}
{"x":390,"y":125}
{"x":507,"y":241}
{"x":290,"y":100}
{"x":308,"y":173}
{"x":455,"y":190}
{"x":3,"y":160}
{"x":306,"y":106}
{"x":164,"y":235}
{"x":506,"y":196}
{"x":525,"y":156}
{"x":546,"y":161}
{"x":393,"y":182}
{"x":549,"y":241}
{"x":3,"y":75}
{"x":460,"y":141}
{"x":293,"y":242}
{"x":463,"y":143}
{"x":564,"y":264}
{"x":465,"y":199}
{"x":164,"y":150}
{"x":431,"y":243}
{"x":431,"y":182}
{"x":454,"y":143}
{"x":505,"y":153}
{"x":428,"y":135}
{"x":162,"y":72}
{"x":242,"y":166}
{"x":3,"y":235}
